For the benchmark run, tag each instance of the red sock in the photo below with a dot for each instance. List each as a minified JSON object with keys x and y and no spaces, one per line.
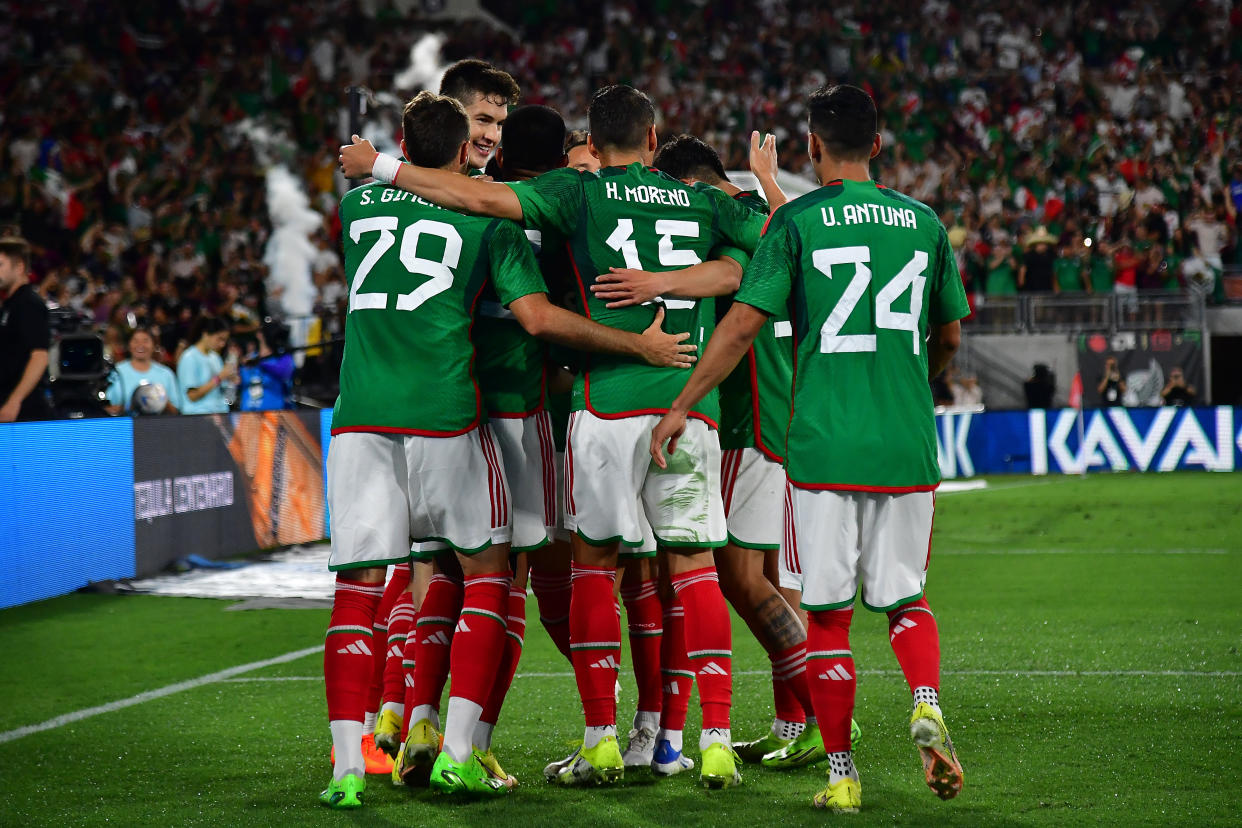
{"x":789,"y":688}
{"x":400,"y":623}
{"x":552,"y":591}
{"x":645,"y":615}
{"x":396,"y":588}
{"x":479,"y":640}
{"x":915,"y":638}
{"x":830,"y":675}
{"x":709,"y":642}
{"x":595,"y":642}
{"x":675,"y":668}
{"x":349,"y":649}
{"x":515,"y":637}
{"x":432,"y":637}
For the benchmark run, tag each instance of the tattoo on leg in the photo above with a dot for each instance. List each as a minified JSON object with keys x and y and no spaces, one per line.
{"x":780,"y":624}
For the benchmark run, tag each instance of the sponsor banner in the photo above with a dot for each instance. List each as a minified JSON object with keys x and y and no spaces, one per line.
{"x":1058,"y":441}
{"x":1144,"y":361}
{"x":66,"y":510}
{"x":224,"y":485}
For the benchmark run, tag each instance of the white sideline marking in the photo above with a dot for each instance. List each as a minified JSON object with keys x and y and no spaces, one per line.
{"x":150,"y":695}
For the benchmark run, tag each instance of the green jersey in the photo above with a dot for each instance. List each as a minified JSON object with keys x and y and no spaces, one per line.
{"x":1069,"y":271}
{"x":865,"y":272}
{"x":416,"y":272}
{"x":636,"y":217}
{"x":754,"y":398}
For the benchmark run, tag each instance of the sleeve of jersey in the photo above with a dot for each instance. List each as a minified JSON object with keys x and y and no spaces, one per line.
{"x":514,"y":271}
{"x":552,"y":201}
{"x":948,"y":299}
{"x":769,"y":277}
{"x":735,"y":253}
{"x":740,"y":225}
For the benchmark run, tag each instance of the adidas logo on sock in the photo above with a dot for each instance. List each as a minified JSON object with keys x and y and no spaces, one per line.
{"x":439,"y":637}
{"x":394,"y":651}
{"x":837,"y":673}
{"x":409,"y":680}
{"x":713,"y":669}
{"x":609,"y":662}
{"x":671,"y":688}
{"x":358,"y":647}
{"x":461,"y":626}
{"x":904,"y":623}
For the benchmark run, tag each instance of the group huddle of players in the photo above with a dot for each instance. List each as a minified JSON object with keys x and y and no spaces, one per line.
{"x":517,"y":407}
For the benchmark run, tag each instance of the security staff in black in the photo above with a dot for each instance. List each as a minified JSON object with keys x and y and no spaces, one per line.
{"x":24,"y":338}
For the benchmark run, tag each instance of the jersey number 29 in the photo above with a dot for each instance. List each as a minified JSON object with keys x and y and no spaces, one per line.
{"x":910,"y":277}
{"x":441,"y":272}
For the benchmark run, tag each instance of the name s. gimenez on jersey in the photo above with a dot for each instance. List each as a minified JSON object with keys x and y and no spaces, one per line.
{"x":647,"y":194}
{"x":391,"y":194}
{"x":870,"y":214}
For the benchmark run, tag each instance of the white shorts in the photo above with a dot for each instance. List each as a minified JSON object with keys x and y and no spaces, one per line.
{"x":384,"y":489}
{"x":529,"y":460}
{"x":837,"y":540}
{"x":646,"y":550}
{"x":612,"y":483}
{"x":753,"y":489}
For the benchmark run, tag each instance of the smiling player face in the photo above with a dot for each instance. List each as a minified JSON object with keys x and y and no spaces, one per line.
{"x":487,"y":116}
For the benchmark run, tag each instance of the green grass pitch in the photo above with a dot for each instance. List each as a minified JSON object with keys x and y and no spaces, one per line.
{"x":1090,"y":633}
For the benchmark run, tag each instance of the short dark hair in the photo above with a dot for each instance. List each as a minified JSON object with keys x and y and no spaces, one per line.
{"x":685,"y":156}
{"x":575,"y":138}
{"x":468,"y":80}
{"x":619,"y":117}
{"x":140,"y":329}
{"x":17,"y":249}
{"x":533,"y":140}
{"x":205,"y":326}
{"x":844,"y":118}
{"x":434,"y":127}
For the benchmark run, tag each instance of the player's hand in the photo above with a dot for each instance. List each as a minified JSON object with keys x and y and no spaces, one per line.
{"x":763,"y":162}
{"x":666,"y":350}
{"x":356,"y":158}
{"x":9,"y":411}
{"x":622,"y":287}
{"x":668,"y":430}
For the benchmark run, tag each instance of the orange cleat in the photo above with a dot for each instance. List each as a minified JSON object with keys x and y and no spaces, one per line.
{"x":376,"y":760}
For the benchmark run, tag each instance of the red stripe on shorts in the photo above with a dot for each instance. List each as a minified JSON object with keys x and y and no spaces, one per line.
{"x":548,"y":456}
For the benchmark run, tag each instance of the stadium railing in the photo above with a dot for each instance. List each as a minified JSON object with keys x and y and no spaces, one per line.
{"x":1053,"y":313}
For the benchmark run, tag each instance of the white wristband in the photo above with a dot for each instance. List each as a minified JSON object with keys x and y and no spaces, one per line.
{"x":385,"y":168}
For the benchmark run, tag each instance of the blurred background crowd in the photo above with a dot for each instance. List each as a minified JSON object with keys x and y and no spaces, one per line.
{"x":1080,"y":147}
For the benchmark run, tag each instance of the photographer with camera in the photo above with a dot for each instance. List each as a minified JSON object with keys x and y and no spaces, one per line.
{"x":201,"y":371}
{"x":24,"y":338}
{"x":139,"y":385}
{"x":1112,"y":387}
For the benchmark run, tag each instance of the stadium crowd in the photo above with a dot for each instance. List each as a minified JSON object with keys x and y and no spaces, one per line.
{"x":1068,"y":146}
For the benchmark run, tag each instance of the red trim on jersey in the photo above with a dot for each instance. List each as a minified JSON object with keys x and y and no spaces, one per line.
{"x":879,"y":186}
{"x":754,"y":401}
{"x":764,"y":231}
{"x":854,"y":487}
{"x":570,"y":506}
{"x":415,"y":432}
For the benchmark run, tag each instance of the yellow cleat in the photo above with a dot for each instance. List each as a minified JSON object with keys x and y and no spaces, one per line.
{"x":492,"y":765}
{"x":940,"y":766}
{"x":720,"y":767}
{"x":843,"y":797}
{"x":418,"y":755}
{"x":388,"y":732}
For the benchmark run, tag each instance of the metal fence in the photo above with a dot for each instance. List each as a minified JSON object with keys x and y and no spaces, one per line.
{"x":1052,"y":313}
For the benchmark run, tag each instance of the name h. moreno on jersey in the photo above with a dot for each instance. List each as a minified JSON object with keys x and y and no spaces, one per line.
{"x":647,"y":194}
{"x":870,"y":214}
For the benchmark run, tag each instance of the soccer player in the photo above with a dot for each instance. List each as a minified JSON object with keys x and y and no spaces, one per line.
{"x":410,"y":456}
{"x":872,"y":288}
{"x":578,"y":154}
{"x":628,"y":214}
{"x":486,"y":93}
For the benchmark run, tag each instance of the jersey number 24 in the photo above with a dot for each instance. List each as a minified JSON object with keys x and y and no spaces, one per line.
{"x":910,"y":277}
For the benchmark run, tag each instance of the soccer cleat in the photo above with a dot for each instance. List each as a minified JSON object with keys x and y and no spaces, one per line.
{"x":553,"y":769}
{"x":468,"y":778}
{"x":667,"y":760}
{"x":599,"y":765}
{"x":855,"y":734}
{"x":940,"y":766}
{"x":418,"y":755}
{"x":492,"y":765}
{"x":720,"y":767}
{"x":843,"y":797}
{"x":806,"y":749}
{"x":387,"y":734}
{"x":759,"y":748}
{"x":377,"y":761}
{"x":640,"y":748}
{"x":345,"y":792}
